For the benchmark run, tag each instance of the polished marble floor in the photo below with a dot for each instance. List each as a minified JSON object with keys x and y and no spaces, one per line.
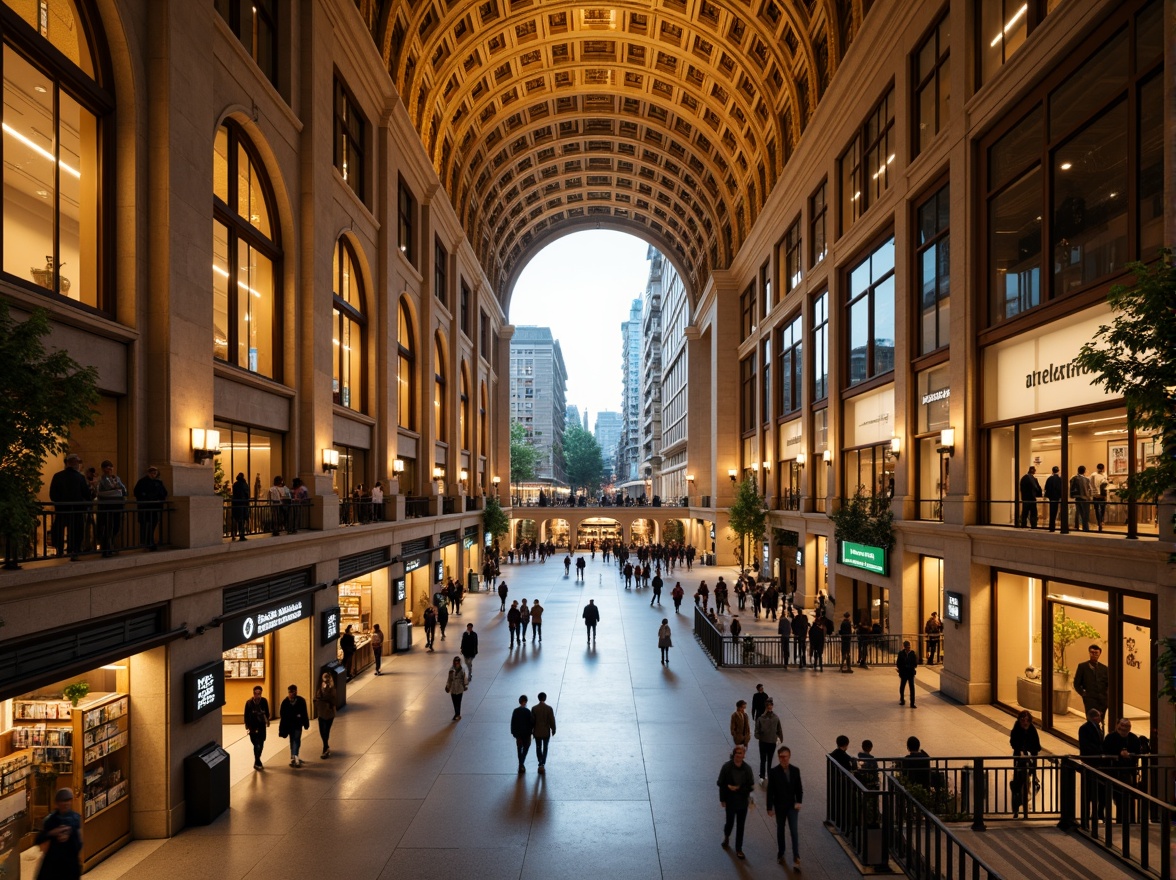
{"x":630,"y":785}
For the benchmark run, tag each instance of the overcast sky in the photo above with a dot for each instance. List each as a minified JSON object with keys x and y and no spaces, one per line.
{"x":581,"y":287}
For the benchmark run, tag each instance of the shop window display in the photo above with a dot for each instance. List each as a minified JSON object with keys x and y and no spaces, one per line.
{"x":355,"y":610}
{"x":49,"y":743}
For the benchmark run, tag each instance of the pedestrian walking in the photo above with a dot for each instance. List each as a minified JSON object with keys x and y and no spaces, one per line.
{"x":704,"y":596}
{"x":71,"y":495}
{"x":769,"y":733}
{"x":1030,"y":492}
{"x":657,"y":590}
{"x":591,"y":617}
{"x":664,"y":640}
{"x":1092,"y":681}
{"x":845,"y":630}
{"x":240,"y":506}
{"x":536,"y":621}
{"x":543,"y":717}
{"x":378,"y":646}
{"x":293,"y":718}
{"x":800,"y":636}
{"x":784,"y":630}
{"x":442,"y":617}
{"x":325,"y":703}
{"x":60,"y":838}
{"x":469,"y":648}
{"x":430,"y":627}
{"x":676,"y":594}
{"x":502,"y":591}
{"x":150,"y":493}
{"x":759,"y":702}
{"x":736,"y":783}
{"x":933,"y":630}
{"x":522,"y":728}
{"x":816,"y":638}
{"x":257,"y":719}
{"x":456,"y":682}
{"x":580,"y":568}
{"x":741,"y":725}
{"x":512,"y":622}
{"x":524,"y":620}
{"x":1026,"y":744}
{"x":784,"y":797}
{"x":906,"y":663}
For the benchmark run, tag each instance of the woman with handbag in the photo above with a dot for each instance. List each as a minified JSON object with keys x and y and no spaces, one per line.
{"x":664,"y":642}
{"x":455,"y":686}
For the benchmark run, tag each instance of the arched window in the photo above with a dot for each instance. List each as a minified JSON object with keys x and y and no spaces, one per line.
{"x":439,"y":426}
{"x":56,"y":225}
{"x":245,"y":257}
{"x":348,"y":326}
{"x":405,"y":371}
{"x":465,"y":429}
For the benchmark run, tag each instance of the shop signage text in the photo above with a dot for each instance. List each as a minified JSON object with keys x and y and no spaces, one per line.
{"x":864,"y":556}
{"x":933,"y":396}
{"x":399,"y":590}
{"x":328,"y":625}
{"x":439,"y":571}
{"x":204,"y":690}
{"x":245,"y":627}
{"x":1055,"y":373}
{"x":800,"y":558}
{"x":413,"y":564}
{"x":954,"y":609}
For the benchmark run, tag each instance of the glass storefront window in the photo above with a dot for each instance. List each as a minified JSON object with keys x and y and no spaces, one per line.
{"x":253,"y":452}
{"x":347,"y":321}
{"x":870,"y":470}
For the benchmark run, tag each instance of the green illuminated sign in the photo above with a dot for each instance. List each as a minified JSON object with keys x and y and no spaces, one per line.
{"x":864,"y":556}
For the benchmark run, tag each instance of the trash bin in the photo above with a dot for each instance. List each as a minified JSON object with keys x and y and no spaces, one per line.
{"x":472,"y":582}
{"x":206,"y":784}
{"x":403,"y":628}
{"x":338,"y":672}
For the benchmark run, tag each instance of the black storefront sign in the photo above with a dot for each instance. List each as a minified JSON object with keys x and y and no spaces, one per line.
{"x":412,"y":563}
{"x":438,"y":571}
{"x":204,"y":690}
{"x":242,"y":628}
{"x":399,"y":589}
{"x":328,"y":625}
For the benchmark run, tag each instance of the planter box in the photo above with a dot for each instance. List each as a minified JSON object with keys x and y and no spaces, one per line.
{"x":1029,"y":696}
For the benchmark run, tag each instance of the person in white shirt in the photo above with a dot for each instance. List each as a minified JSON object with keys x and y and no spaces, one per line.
{"x":1100,"y":485}
{"x":378,"y":502}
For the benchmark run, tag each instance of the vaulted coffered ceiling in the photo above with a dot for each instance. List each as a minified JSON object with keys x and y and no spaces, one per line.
{"x":672,"y":119}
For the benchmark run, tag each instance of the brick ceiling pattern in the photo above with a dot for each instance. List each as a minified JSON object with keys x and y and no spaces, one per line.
{"x":672,"y":119}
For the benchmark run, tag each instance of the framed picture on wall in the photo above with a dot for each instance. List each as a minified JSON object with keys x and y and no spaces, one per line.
{"x":1149,"y":452}
{"x":1117,"y":459}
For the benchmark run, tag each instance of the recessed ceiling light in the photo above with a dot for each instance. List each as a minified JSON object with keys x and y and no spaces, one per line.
{"x":1066,"y":166}
{"x":43,"y":193}
{"x":40,"y":89}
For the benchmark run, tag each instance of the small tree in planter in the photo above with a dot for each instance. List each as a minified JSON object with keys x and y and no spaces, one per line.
{"x":1066,"y":631}
{"x":747,"y":516}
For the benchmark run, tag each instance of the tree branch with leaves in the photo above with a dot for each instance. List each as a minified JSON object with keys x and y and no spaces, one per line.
{"x":747,"y":516}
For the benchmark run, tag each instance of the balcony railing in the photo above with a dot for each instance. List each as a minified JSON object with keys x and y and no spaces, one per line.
{"x":361,"y":512}
{"x":88,"y":528}
{"x":264,"y":518}
{"x":414,"y":508}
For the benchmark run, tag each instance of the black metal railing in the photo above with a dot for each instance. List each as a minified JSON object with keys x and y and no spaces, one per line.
{"x":447,"y":506}
{"x":264,"y":518}
{"x":471,"y":503}
{"x":1126,"y":811}
{"x":414,"y":508}
{"x":768,"y":651}
{"x":84,"y":529}
{"x":361,"y":512}
{"x":860,"y":810}
{"x":1117,"y":517}
{"x":922,"y":845}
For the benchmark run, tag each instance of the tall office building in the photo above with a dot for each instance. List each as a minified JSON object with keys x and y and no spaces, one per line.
{"x":608,"y":433}
{"x":670,"y":479}
{"x":538,"y":390}
{"x":649,"y":468}
{"x":576,"y":418}
{"x":629,"y":446}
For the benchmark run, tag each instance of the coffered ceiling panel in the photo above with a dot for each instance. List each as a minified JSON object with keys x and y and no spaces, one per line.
{"x":669,"y":118}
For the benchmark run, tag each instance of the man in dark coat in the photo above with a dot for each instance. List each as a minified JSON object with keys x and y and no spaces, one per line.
{"x":1090,"y":747}
{"x":800,"y":634}
{"x":61,"y":839}
{"x":906,"y":663}
{"x":591,"y":617}
{"x":347,"y":646}
{"x":150,"y":493}
{"x":759,"y":703}
{"x":70,"y":494}
{"x":1030,"y":492}
{"x":817,"y":633}
{"x":1123,"y":748}
{"x":736,"y":783}
{"x":522,"y":727}
{"x":1092,"y":681}
{"x":1053,"y":494}
{"x":784,"y":796}
{"x":257,"y":719}
{"x":502,"y":591}
{"x":469,"y":648}
{"x":293,"y":718}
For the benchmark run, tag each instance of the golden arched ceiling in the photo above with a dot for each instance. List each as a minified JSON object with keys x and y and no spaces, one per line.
{"x":672,"y":118}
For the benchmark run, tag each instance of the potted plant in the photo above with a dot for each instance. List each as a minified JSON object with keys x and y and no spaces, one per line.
{"x":1066,"y":631}
{"x":74,"y":692}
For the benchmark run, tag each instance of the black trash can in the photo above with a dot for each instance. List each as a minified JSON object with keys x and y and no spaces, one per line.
{"x":472,"y":581}
{"x":338,"y":672}
{"x":206,"y":784}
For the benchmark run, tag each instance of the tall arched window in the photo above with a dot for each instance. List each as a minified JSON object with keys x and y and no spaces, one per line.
{"x":465,"y":429}
{"x":348,"y":326}
{"x":56,"y":225}
{"x":245,"y":257}
{"x":439,"y":407}
{"x":405,"y":370}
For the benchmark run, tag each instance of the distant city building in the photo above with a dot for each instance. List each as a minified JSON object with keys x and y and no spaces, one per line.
{"x":649,"y":468}
{"x":574,"y":417}
{"x":629,"y":445}
{"x":538,"y":401}
{"x":608,"y":434}
{"x":670,"y":483}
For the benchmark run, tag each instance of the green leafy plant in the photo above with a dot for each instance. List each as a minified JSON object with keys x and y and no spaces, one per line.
{"x":583,"y":461}
{"x":1067,"y":631}
{"x":74,"y":692}
{"x":747,"y":516}
{"x":46,"y":394}
{"x":864,"y":519}
{"x":494,"y":518}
